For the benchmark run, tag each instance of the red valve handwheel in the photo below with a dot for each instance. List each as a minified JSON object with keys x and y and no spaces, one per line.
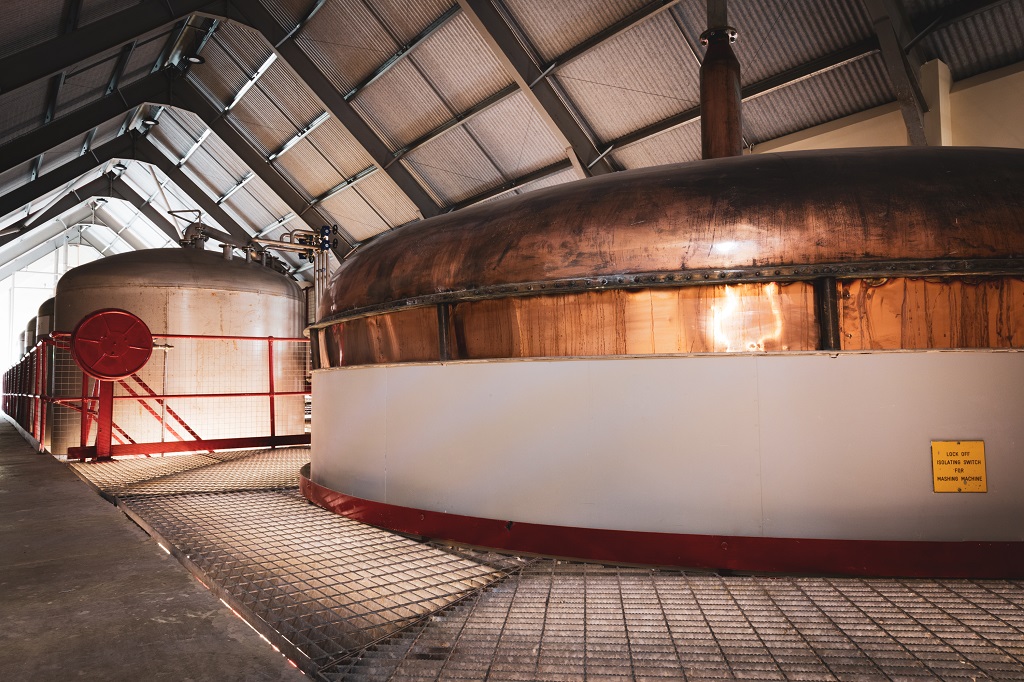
{"x":111,"y":344}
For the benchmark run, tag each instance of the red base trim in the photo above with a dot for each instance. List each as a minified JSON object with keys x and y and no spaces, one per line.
{"x":89,"y":451}
{"x":718,"y":552}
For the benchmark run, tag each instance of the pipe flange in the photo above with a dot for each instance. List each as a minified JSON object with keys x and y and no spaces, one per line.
{"x":717,"y":34}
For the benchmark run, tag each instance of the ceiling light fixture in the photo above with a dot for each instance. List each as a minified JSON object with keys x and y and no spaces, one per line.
{"x":195,"y":59}
{"x":150,"y":121}
{"x":120,"y":167}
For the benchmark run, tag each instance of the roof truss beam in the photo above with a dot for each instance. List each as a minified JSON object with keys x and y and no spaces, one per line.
{"x":150,"y":154}
{"x":403,"y":52}
{"x":60,"y":53}
{"x":893,"y":32}
{"x":786,"y":78}
{"x":541,"y":93}
{"x":121,"y":147}
{"x":259,"y":18}
{"x":507,"y":187}
{"x":21,"y":149}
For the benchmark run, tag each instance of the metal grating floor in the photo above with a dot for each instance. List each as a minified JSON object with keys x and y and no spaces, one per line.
{"x":352,"y":602}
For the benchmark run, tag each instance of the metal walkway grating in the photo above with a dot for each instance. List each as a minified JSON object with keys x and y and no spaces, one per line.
{"x":357,"y":603}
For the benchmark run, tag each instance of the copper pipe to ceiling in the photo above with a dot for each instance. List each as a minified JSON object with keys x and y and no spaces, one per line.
{"x":721,"y":125}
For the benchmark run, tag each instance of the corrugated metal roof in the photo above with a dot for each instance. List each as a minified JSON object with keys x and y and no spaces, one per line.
{"x":24,"y":23}
{"x":516,"y":137}
{"x":249,"y":48}
{"x":94,"y":10}
{"x":635,"y":79}
{"x":207,"y":172}
{"x":401,"y":105}
{"x":274,"y":205}
{"x":146,"y":52}
{"x":288,"y":12}
{"x":284,"y":87}
{"x":381,"y":192}
{"x":15,"y":177}
{"x":403,"y":19}
{"x":988,"y":40}
{"x":555,"y":27}
{"x":226,"y":158}
{"x":346,"y":42}
{"x":61,"y":154}
{"x":262,"y":121}
{"x":105,"y":132}
{"x":854,"y":87}
{"x":22,"y":110}
{"x":351,"y":212}
{"x":559,"y":178}
{"x":776,"y":35}
{"x":459,"y":64}
{"x":248,"y":210}
{"x":309,"y":169}
{"x":673,"y":146}
{"x":177,"y":132}
{"x":336,"y":143}
{"x":454,"y":167}
{"x":220,"y":77}
{"x":85,"y":85}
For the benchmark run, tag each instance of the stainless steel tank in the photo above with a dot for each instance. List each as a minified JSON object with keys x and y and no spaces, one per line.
{"x":196,"y":293}
{"x":30,"y":334}
{"x":44,"y":319}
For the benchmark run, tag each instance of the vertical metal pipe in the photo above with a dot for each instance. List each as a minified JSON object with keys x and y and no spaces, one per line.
{"x":826,"y":297}
{"x":105,"y":420}
{"x":721,"y":124}
{"x":273,"y":415}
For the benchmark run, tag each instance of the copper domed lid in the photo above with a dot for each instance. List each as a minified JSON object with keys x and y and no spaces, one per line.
{"x":797,"y":215}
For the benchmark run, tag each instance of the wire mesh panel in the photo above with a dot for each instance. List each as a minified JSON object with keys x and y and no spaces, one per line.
{"x":193,"y":389}
{"x":327,"y":584}
{"x":360,"y":603}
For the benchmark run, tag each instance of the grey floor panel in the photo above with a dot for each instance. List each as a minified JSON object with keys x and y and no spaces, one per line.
{"x":365,"y":604}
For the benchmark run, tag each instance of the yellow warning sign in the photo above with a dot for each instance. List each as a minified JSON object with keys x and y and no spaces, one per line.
{"x":958,"y":466}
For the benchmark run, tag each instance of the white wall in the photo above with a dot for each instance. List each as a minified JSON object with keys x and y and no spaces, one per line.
{"x":985,"y":111}
{"x":803,"y":445}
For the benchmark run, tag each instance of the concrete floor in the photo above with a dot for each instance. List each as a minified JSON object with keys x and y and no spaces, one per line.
{"x":85,"y":594}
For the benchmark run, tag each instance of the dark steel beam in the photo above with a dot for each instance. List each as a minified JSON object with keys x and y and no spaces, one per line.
{"x":949,"y":15}
{"x":186,"y":95}
{"x":151,"y":88}
{"x":145,"y":206}
{"x":259,"y":18}
{"x":119,"y":67}
{"x":60,"y":53}
{"x":504,"y":188}
{"x":458,"y":120}
{"x":121,"y":147}
{"x":541,"y":93}
{"x":403,"y":51}
{"x":148,"y":153}
{"x":786,"y":78}
{"x":72,"y":13}
{"x":618,"y":28}
{"x":98,"y":187}
{"x":56,"y":84}
{"x":893,"y":32}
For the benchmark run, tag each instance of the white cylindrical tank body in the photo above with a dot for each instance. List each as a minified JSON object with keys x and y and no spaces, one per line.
{"x":196,"y":293}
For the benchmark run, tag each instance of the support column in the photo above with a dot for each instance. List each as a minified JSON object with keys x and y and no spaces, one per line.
{"x":935,"y":84}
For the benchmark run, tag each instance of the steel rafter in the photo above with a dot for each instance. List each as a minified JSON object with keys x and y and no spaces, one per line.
{"x":60,"y":53}
{"x":507,"y":187}
{"x":403,"y":52}
{"x":541,"y":93}
{"x":187,"y":96}
{"x":149,"y":153}
{"x":121,"y":147}
{"x":786,"y":78}
{"x":19,"y":150}
{"x":893,"y":31}
{"x":259,"y":18}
